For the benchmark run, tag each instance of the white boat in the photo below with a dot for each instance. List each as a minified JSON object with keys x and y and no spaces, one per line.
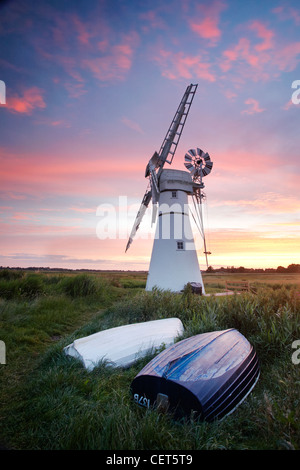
{"x":123,"y":345}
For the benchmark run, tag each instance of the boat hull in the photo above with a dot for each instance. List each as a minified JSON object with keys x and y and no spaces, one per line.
{"x":207,"y":376}
{"x":123,"y":345}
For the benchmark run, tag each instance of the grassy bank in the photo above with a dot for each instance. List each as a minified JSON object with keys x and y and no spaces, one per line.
{"x":49,"y":401}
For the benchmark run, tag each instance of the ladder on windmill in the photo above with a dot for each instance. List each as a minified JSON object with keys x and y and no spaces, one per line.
{"x":173,"y":135}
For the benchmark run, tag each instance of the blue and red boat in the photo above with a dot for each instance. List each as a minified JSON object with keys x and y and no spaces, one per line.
{"x":207,"y":376}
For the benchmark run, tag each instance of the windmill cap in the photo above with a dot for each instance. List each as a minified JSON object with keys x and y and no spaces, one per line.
{"x":176,"y":180}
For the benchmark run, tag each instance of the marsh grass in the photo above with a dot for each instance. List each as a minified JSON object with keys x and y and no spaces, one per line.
{"x":50,"y":401}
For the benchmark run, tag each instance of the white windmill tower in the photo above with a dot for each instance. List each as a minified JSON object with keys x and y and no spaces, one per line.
{"x":174,"y":260}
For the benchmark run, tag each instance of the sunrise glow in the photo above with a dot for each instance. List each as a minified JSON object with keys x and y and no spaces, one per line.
{"x":91,"y":89}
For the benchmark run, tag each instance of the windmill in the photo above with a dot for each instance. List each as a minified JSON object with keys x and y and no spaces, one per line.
{"x":174,"y":260}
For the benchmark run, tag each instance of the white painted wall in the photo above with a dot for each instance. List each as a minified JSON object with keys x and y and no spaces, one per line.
{"x":172,"y":267}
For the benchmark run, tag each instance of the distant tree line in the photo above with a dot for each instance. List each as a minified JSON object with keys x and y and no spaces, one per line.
{"x":69,"y":270}
{"x":292,"y":268}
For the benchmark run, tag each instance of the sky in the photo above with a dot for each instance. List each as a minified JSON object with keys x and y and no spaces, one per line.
{"x":88,"y":90}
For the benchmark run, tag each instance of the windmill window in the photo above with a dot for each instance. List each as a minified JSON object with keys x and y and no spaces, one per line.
{"x":180,"y":246}
{"x":174,"y":194}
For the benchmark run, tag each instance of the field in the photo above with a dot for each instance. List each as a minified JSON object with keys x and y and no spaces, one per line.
{"x":49,"y":401}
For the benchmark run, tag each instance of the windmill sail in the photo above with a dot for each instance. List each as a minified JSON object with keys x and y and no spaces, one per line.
{"x":139,"y":216}
{"x":165,"y":154}
{"x":169,"y":145}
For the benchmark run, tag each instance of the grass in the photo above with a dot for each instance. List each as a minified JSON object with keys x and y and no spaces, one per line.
{"x":49,"y":401}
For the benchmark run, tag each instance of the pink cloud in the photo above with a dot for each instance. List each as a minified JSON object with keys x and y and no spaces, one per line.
{"x":264,"y":33}
{"x":69,"y":30}
{"x":231,"y":95}
{"x":83,"y":32}
{"x":86,"y":48}
{"x":203,"y":71}
{"x":27,"y":102}
{"x":132,"y":125}
{"x":288,"y":105}
{"x":103,"y":45}
{"x":83,"y":209}
{"x":254,"y":107}
{"x":269,"y":202}
{"x":259,"y":60}
{"x":286,"y":13}
{"x":241,"y":51}
{"x":69,"y":63}
{"x":75,"y":89}
{"x":249,"y":59}
{"x":286,"y":58}
{"x":22,"y":215}
{"x":177,"y":65}
{"x":14,"y":196}
{"x":208,"y":25}
{"x":60,"y":123}
{"x":152,"y":20}
{"x":75,"y":84}
{"x":115,"y":61}
{"x":207,"y":28}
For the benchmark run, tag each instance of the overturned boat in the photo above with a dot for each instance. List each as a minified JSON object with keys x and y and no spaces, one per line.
{"x":207,"y":376}
{"x":123,"y":345}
